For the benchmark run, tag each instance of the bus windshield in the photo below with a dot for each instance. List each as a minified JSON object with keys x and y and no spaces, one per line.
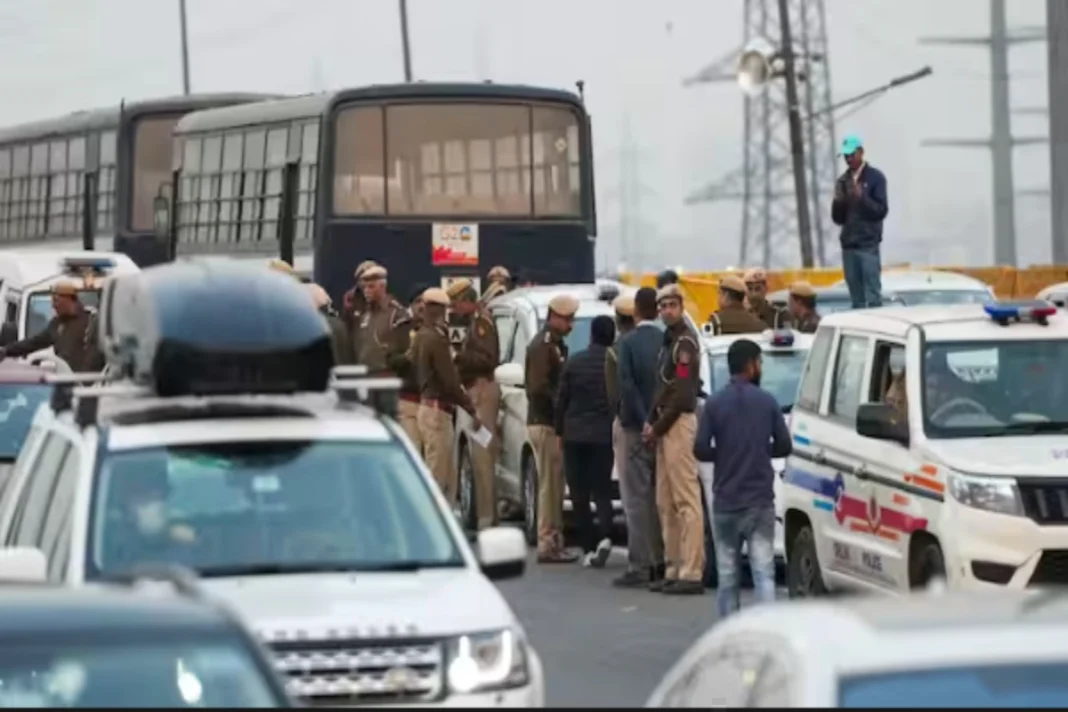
{"x":461,"y":158}
{"x":153,"y":146}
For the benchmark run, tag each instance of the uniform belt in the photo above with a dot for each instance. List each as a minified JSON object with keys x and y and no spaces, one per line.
{"x":410,"y":397}
{"x":439,"y":404}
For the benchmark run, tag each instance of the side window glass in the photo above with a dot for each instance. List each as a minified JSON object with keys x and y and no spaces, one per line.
{"x":848,"y":376}
{"x":12,"y":314}
{"x":505,"y":333}
{"x":521,"y":342}
{"x":26,"y":453}
{"x":59,"y":508}
{"x":815,"y":368}
{"x":33,"y":503}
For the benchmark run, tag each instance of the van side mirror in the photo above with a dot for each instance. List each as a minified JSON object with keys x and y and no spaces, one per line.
{"x":161,"y":216}
{"x":9,"y":333}
{"x":880,"y":421}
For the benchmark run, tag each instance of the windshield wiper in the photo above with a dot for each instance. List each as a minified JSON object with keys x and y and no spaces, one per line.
{"x":322,"y":567}
{"x":1037,"y":428}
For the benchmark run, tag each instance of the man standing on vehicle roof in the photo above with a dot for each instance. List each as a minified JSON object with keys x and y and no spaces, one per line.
{"x":402,"y":363}
{"x":71,"y":333}
{"x":377,"y":322}
{"x":477,"y":360}
{"x":732,"y":317}
{"x":544,"y":364}
{"x":440,"y":390}
{"x":860,"y":207}
{"x":756,"y":283}
{"x":671,"y":426}
{"x":802,"y":305}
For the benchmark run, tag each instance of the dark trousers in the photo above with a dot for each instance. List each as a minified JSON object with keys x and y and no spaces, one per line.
{"x":588,"y":467}
{"x":863,"y":276}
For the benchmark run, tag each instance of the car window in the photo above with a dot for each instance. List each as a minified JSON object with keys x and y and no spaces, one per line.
{"x":1013,"y":686}
{"x":781,"y":374}
{"x":33,"y":504}
{"x":25,"y":456}
{"x":59,"y":509}
{"x":39,"y":309}
{"x":944,"y":296}
{"x":815,"y":367}
{"x":296,"y":506}
{"x":505,"y":324}
{"x":848,"y":376}
{"x":18,"y":405}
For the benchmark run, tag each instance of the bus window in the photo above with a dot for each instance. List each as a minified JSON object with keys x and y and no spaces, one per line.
{"x":557,"y":179}
{"x":360,"y":162}
{"x":152,"y":166}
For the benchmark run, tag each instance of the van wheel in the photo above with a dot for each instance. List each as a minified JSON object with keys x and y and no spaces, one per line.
{"x":468,"y":506}
{"x":926,"y":563}
{"x":530,"y":500}
{"x":803,"y":576}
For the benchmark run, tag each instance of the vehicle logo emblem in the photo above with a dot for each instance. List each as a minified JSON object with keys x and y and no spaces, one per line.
{"x":839,"y":497}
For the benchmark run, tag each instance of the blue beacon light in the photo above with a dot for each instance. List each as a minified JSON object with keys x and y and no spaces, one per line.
{"x":782,"y":337}
{"x":1037,"y":311}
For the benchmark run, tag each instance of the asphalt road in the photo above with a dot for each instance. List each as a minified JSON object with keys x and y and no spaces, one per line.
{"x":602,"y":646}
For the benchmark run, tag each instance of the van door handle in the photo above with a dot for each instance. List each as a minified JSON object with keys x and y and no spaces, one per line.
{"x":860,"y":472}
{"x":821,"y":457}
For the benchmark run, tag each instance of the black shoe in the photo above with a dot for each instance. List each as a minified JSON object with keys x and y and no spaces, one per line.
{"x":631,"y":579}
{"x":660,"y":584}
{"x":684,"y":588}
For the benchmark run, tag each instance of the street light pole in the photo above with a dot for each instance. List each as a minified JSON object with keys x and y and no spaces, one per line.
{"x":405,"y":44}
{"x":797,"y":141}
{"x":185,"y":46}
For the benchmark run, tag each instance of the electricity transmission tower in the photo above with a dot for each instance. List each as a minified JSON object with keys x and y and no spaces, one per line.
{"x":1001,"y":141}
{"x":636,"y":235}
{"x":764,"y":182}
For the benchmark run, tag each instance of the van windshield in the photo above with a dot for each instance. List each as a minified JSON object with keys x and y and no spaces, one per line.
{"x":39,"y":309}
{"x":992,"y":388}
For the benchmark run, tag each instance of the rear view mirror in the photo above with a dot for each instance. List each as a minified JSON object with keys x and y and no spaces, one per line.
{"x":9,"y":333}
{"x":510,"y":374}
{"x":23,"y":564}
{"x":161,"y":214}
{"x":502,"y":553}
{"x":880,"y":421}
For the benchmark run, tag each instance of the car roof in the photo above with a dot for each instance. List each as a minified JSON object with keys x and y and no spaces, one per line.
{"x":802,"y":342}
{"x":42,"y":609}
{"x":589,"y":295}
{"x":22,"y":372}
{"x":917,"y":280}
{"x":822,"y":293}
{"x":949,"y":322}
{"x":28,"y":268}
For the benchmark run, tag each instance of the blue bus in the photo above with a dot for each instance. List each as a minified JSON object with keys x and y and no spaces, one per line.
{"x":88,"y":180}
{"x":433,"y":180}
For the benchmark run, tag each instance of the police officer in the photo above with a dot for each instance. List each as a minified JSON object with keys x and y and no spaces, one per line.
{"x":499,"y":275}
{"x":71,"y":333}
{"x":624,"y":308}
{"x":353,"y":304}
{"x":339,"y":333}
{"x":476,"y":359}
{"x":440,"y":392}
{"x":672,"y":427}
{"x":376,"y":324}
{"x":756,"y":283}
{"x":802,"y":305}
{"x":732,"y":317}
{"x":402,"y":363}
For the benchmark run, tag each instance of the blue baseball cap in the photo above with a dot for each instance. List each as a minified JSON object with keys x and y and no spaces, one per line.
{"x":850,"y":144}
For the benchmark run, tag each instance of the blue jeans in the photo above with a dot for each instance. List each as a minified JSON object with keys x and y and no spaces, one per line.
{"x":863,"y":276}
{"x":756,"y":527}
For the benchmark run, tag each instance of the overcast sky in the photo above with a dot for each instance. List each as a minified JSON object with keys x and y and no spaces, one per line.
{"x":65,"y":55}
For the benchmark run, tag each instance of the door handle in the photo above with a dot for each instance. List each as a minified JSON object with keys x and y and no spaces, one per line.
{"x":821,"y":457}
{"x":860,"y":472}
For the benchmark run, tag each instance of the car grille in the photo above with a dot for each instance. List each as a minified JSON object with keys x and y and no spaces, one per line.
{"x":1045,"y":501}
{"x":1052,"y":568}
{"x":351,"y":672}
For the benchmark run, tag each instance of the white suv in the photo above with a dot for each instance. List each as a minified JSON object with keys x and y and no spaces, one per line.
{"x":308,"y":512}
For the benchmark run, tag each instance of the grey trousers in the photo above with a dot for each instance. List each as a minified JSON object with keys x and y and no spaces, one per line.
{"x":637,"y":486}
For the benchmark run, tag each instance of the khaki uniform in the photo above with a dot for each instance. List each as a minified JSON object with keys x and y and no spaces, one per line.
{"x":808,"y":324}
{"x":73,"y":338}
{"x":441,"y":393}
{"x":372,"y":339}
{"x":674,"y":421}
{"x":339,"y":338}
{"x":544,"y":364}
{"x":476,"y":361}
{"x":402,"y":363}
{"x":611,"y":381}
{"x":897,"y":396}
{"x":735,"y":319}
{"x":772,"y":316}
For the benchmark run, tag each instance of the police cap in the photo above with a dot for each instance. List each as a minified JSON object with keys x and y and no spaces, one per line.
{"x":65,"y":289}
{"x":283,"y":267}
{"x":732,"y":284}
{"x":462,"y":290}
{"x":375,"y":271}
{"x":495,"y":289}
{"x":498,"y":272}
{"x":623,"y":305}
{"x":564,"y":305}
{"x":363,"y":267}
{"x":802,"y":289}
{"x":757,"y":274}
{"x":669,"y":291}
{"x":436,"y":295}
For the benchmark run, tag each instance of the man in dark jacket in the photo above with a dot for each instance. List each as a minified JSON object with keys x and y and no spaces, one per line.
{"x":71,"y":333}
{"x":860,"y":207}
{"x":584,"y":424}
{"x":638,"y":354}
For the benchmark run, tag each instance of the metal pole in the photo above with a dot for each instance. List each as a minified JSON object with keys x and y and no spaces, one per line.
{"x":1057,"y":48}
{"x":1001,"y":139}
{"x":185,"y":47}
{"x":797,"y":145}
{"x":405,"y":44}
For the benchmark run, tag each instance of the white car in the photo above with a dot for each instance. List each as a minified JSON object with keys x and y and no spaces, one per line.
{"x":917,"y":287}
{"x":971,"y":650}
{"x":784,"y":352}
{"x":519,"y":315}
{"x":304,"y":509}
{"x":930,"y":442}
{"x":1056,"y":293}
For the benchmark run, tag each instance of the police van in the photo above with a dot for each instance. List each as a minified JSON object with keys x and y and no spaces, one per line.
{"x":931,"y":442}
{"x":27,"y":277}
{"x":230,"y":447}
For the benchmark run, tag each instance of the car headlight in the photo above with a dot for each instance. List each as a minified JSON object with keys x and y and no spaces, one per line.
{"x":991,"y":494}
{"x":481,"y":662}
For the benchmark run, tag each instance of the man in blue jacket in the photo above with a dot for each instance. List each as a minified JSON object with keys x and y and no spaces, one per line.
{"x":860,"y":207}
{"x":639,"y":351}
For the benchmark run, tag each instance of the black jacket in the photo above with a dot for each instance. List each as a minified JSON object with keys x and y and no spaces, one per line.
{"x":583,"y":413}
{"x":861,"y":218}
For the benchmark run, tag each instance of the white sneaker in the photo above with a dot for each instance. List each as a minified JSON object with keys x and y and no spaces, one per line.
{"x":590,"y":559}
{"x":604,"y":550}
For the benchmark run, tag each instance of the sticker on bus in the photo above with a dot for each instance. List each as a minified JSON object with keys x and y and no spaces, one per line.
{"x":454,"y":244}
